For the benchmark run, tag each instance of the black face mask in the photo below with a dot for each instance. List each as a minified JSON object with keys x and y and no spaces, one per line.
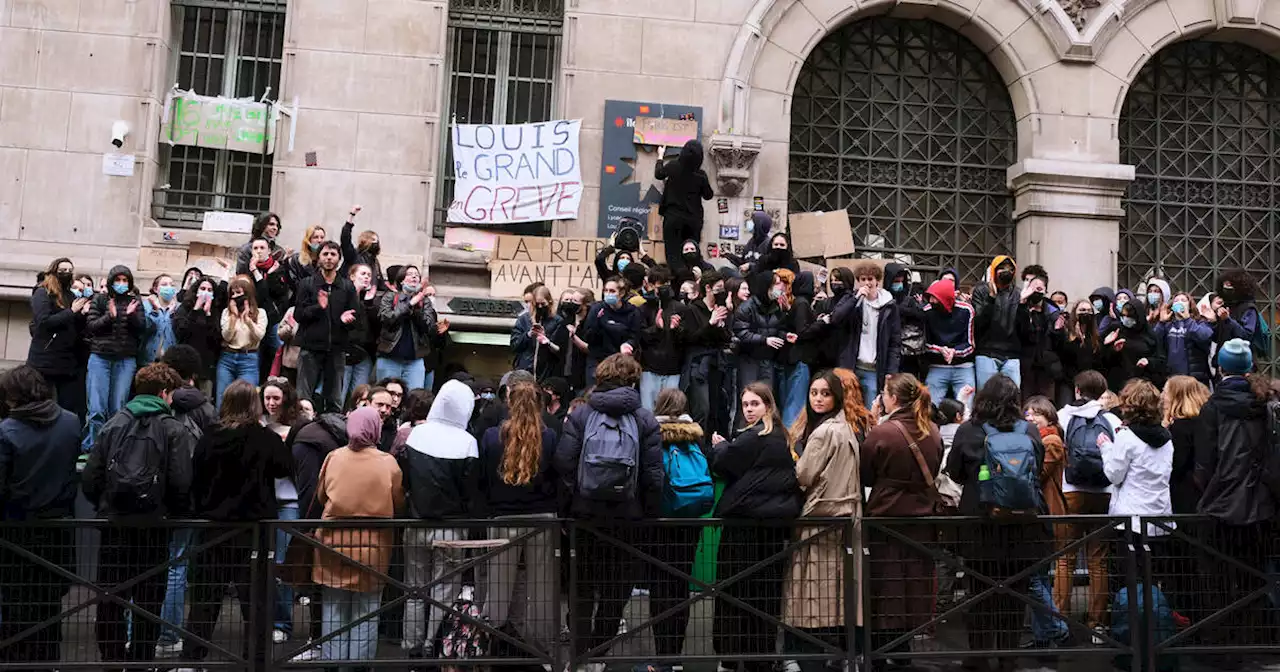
{"x":838,"y":288}
{"x":1004,"y":277}
{"x":374,"y":249}
{"x":241,"y":301}
{"x":721,"y":297}
{"x":664,"y":294}
{"x":690,"y":257}
{"x":569,"y":308}
{"x":1036,"y":297}
{"x":64,"y":279}
{"x":1085,"y":319}
{"x":544,"y":311}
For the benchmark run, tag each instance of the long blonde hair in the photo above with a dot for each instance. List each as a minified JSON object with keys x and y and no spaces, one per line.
{"x":1183,"y":398}
{"x":521,"y":434}
{"x":304,"y":252}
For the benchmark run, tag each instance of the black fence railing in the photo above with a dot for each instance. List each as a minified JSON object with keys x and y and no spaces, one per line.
{"x":530,"y":592}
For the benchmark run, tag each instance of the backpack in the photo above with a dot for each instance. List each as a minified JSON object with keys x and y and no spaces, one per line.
{"x":1084,"y":458}
{"x":1261,"y":338}
{"x":609,"y":467}
{"x":1009,"y":478}
{"x":460,"y":638}
{"x":1122,"y":629}
{"x":137,"y":466}
{"x":689,"y":492}
{"x":1269,"y":461}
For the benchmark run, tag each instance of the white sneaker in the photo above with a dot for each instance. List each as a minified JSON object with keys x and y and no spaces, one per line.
{"x":1098,"y":631}
{"x":622,"y":630}
{"x":279,"y":636}
{"x":639,"y":592}
{"x":312,"y":653}
{"x":791,"y":666}
{"x":169,"y":650}
{"x":188,"y":669}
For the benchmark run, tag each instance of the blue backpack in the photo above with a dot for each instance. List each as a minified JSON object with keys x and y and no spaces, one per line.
{"x":1261,"y":338}
{"x":1164,"y":625}
{"x":609,"y":467}
{"x":689,"y":492}
{"x":1084,"y":458}
{"x":1009,"y":478}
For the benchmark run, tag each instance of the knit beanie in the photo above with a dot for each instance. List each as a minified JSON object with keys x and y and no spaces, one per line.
{"x":1235,"y":358}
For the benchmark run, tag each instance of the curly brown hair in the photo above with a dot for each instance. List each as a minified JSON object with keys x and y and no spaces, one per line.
{"x":1140,"y":403}
{"x":618,"y":370}
{"x":522,"y":434}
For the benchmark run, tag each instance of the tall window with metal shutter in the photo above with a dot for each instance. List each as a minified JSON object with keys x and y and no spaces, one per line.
{"x":504,"y":57}
{"x":232,"y":48}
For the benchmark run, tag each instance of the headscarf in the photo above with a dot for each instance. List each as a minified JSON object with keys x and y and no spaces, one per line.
{"x":364,"y":428}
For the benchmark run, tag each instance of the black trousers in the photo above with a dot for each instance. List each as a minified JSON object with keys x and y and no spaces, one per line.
{"x":321,"y":368}
{"x":737,"y":631}
{"x":128,"y":552}
{"x":230,"y":563}
{"x":32,"y":593}
{"x":674,"y":546}
{"x":70,"y":391}
{"x":605,"y":576}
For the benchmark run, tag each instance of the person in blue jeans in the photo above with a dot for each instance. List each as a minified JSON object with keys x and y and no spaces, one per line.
{"x":999,"y":316}
{"x":115,"y":327}
{"x":869,"y":316}
{"x":361,"y":343}
{"x":159,"y":308}
{"x":948,"y":337}
{"x":408,"y":323}
{"x":244,"y":325}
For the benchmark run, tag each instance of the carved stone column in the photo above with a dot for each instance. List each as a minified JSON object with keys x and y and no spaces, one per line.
{"x":733,"y":156}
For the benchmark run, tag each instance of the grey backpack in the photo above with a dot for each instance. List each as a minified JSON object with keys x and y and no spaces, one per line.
{"x":609,"y":467}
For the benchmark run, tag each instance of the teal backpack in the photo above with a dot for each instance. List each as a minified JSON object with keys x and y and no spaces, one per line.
{"x":689,"y":492}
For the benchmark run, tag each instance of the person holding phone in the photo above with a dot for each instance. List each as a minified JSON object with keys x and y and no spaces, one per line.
{"x":531,"y":337}
{"x":709,"y":335}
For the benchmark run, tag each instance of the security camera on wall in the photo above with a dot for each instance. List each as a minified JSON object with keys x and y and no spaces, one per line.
{"x":119,"y":131}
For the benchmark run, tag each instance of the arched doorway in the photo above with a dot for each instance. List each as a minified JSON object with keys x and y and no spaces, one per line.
{"x":1199,"y":124}
{"x":908,"y":126}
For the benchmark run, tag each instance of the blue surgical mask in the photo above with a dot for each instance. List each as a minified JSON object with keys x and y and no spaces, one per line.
{"x":750,"y":226}
{"x":1098,"y":305}
{"x":1180,"y":307}
{"x":775,"y":293}
{"x":167,"y":293}
{"x":314,"y":247}
{"x":204,"y":294}
{"x":488,"y":396}
{"x":1128,"y":322}
{"x":896,"y":287}
{"x":410,"y":288}
{"x":120,"y":287}
{"x":611,"y":299}
{"x":87,"y":292}
{"x":1154,"y":298}
{"x":622,"y":264}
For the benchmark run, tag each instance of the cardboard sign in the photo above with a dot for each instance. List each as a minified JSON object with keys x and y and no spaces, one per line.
{"x":664,"y":132}
{"x":508,"y":173}
{"x":655,"y":222}
{"x":165,"y":259}
{"x":463,"y":238}
{"x":821,"y":234}
{"x":217,"y":261}
{"x":559,"y":263}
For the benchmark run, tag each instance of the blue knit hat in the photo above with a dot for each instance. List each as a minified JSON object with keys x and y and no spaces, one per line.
{"x":1236,"y":357}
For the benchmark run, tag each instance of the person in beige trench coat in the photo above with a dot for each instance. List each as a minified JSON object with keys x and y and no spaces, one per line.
{"x":829,"y":473}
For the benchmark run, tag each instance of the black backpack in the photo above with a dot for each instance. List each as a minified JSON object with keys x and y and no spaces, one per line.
{"x":137,"y":469}
{"x":1084,"y":458}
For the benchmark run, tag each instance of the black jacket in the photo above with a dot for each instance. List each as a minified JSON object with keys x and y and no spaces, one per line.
{"x":759,"y":474}
{"x":498,"y":498}
{"x":1041,"y":341}
{"x":614,"y":402}
{"x":273,"y":290}
{"x":1233,"y":429}
{"x":846,"y":320}
{"x":39,"y":446}
{"x":121,"y":336}
{"x":321,"y":330}
{"x":309,"y":445}
{"x":234,"y":472}
{"x":754,"y":323}
{"x":495,"y":413}
{"x":704,"y":337}
{"x":163,"y":428}
{"x":1182,"y":483}
{"x":55,"y":334}
{"x":203,"y":332}
{"x":351,"y":256}
{"x":439,"y":461}
{"x":395,"y":312}
{"x":662,"y":349}
{"x":190,"y":402}
{"x":607,"y":329}
{"x":525,"y":349}
{"x":687,"y":185}
{"x":998,"y":321}
{"x":1140,"y":343}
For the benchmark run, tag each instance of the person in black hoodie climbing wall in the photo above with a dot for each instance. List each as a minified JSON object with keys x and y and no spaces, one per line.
{"x":686,"y":187}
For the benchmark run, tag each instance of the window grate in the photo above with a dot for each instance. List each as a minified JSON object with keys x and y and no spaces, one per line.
{"x":504,"y":57}
{"x":229,"y":48}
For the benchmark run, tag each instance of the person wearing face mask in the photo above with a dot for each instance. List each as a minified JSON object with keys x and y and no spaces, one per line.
{"x":1080,"y":349}
{"x":667,"y":324}
{"x":709,"y":336}
{"x":760,"y":226}
{"x":693,"y":265}
{"x":685,"y":187}
{"x":266,"y":226}
{"x":911,"y":314}
{"x":802,"y":331}
{"x":532,"y":346}
{"x":869,"y":315}
{"x":159,"y":309}
{"x":1103,"y":300}
{"x":57,"y":320}
{"x":195,"y":323}
{"x":573,"y":350}
{"x":760,"y":326}
{"x":612,"y":326}
{"x":1042,"y":331}
{"x":1187,"y":340}
{"x":999,"y":310}
{"x":1238,"y":317}
{"x":948,"y":334}
{"x":364,"y":250}
{"x":115,"y":327}
{"x":244,"y":325}
{"x":1158,"y":296}
{"x":1131,"y":350}
{"x":363,"y":335}
{"x":1123,"y":297}
{"x":407,"y":323}
{"x":778,"y":256}
{"x":302,"y":264}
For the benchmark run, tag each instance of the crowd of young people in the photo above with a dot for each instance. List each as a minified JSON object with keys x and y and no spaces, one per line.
{"x":807,"y":396}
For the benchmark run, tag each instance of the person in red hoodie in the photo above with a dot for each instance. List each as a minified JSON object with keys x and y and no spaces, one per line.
{"x":948,"y":337}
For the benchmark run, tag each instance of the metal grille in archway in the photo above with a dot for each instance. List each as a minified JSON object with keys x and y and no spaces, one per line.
{"x":1200,"y":125}
{"x":908,"y":126}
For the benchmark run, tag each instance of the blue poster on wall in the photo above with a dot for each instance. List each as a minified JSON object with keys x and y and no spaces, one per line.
{"x":620,"y":194}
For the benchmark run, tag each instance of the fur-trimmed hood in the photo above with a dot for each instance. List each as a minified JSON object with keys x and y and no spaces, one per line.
{"x":679,"y":430}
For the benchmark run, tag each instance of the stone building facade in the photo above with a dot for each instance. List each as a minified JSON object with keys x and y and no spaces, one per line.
{"x":1102,"y":140}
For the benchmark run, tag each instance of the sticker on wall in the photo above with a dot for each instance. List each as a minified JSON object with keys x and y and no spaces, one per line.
{"x":311,"y":159}
{"x":759,"y":204}
{"x":722,"y":204}
{"x":729,"y":231}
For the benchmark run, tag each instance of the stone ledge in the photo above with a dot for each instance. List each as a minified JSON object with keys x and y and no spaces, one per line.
{"x":1069,"y":188}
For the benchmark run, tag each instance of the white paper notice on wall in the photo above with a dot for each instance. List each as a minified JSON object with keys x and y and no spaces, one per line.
{"x":118,"y":165}
{"x":516,"y":172}
{"x":228,"y":222}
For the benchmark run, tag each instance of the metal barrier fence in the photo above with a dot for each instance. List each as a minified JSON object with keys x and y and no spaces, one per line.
{"x":533,"y":592}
